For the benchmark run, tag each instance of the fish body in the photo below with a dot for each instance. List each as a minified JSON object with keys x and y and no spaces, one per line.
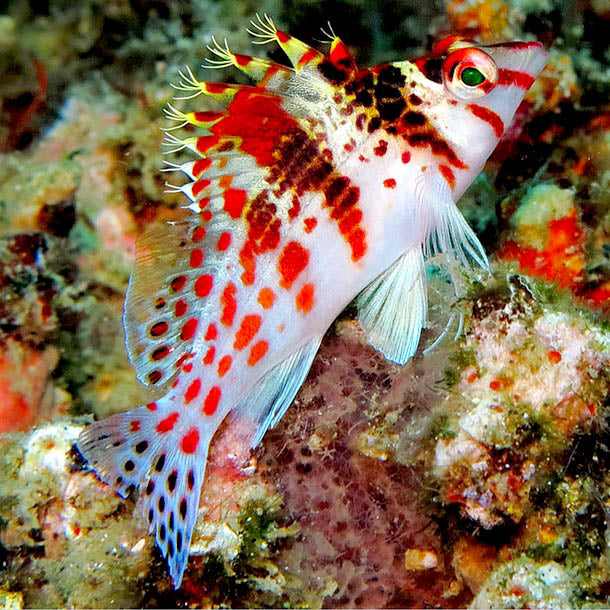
{"x":322,"y":183}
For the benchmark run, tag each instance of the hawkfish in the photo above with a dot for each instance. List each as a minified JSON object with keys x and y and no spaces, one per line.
{"x":321,"y":184}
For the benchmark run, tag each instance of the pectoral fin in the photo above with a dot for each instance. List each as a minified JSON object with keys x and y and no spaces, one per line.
{"x":392,"y":309}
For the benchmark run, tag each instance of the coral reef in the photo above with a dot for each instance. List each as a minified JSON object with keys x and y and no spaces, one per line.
{"x":477,"y":474}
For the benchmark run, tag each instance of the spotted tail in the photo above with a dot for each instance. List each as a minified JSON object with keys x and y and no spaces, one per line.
{"x":146,"y":448}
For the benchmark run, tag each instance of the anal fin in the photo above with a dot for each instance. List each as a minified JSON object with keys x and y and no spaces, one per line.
{"x":265,"y":405}
{"x":392,"y":309}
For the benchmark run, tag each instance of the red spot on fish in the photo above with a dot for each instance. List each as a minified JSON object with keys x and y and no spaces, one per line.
{"x":192,"y":391}
{"x":381,"y":148}
{"x":225,"y":181}
{"x":229,"y":304}
{"x":215,"y":88}
{"x":158,"y":329}
{"x":209,"y":355}
{"x":203,"y":285}
{"x":247,"y":261}
{"x":224,"y":364}
{"x":448,"y":175}
{"x":293,"y":260}
{"x":190,"y":441}
{"x":211,"y":400}
{"x":249,"y":326}
{"x":295,"y":210}
{"x":224,"y":241}
{"x":357,"y":242}
{"x":360,"y":121}
{"x":198,"y":234}
{"x":206,"y":216}
{"x":257,"y":351}
{"x":180,"y":308}
{"x":134,"y":426}
{"x":188,"y":330}
{"x":242,"y":60}
{"x":155,"y":376}
{"x":196,"y":257}
{"x":178,"y":282}
{"x":207,"y":116}
{"x":308,"y":56}
{"x":204,"y":143}
{"x":187,"y":368}
{"x":235,"y":199}
{"x":554,"y":357}
{"x":305,"y":298}
{"x":152,"y":406}
{"x":489,"y":116}
{"x":310,"y":224}
{"x":165,"y":425}
{"x":350,"y":221}
{"x":266,"y":297}
{"x":160,"y":353}
{"x":200,"y":166}
{"x":210,"y":333}
{"x":282,"y":36}
{"x":199,"y":186}
{"x":406,"y":156}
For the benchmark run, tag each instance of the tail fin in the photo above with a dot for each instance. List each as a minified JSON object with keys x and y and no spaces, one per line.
{"x":164,"y":453}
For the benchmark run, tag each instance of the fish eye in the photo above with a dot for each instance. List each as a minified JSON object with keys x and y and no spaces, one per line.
{"x":469,"y":73}
{"x":472,"y":77}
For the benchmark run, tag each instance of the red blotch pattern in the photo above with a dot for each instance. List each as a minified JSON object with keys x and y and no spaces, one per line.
{"x":224,"y":241}
{"x":248,"y":328}
{"x":257,"y":351}
{"x":211,"y":332}
{"x":196,"y":257}
{"x":293,"y":260}
{"x":266,"y":297}
{"x":180,"y":308}
{"x":389,"y":183}
{"x":229,"y":304}
{"x":188,"y":330}
{"x":190,"y":441}
{"x":203,"y":285}
{"x":134,"y":426}
{"x":310,"y":224}
{"x":209,"y":355}
{"x":224,"y":364}
{"x":165,"y":425}
{"x":211,"y":401}
{"x":305,"y":298}
{"x":192,"y":391}
{"x":235,"y":200}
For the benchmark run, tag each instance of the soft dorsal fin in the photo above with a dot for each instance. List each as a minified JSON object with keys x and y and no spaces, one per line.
{"x":263,"y":407}
{"x":392,"y":309}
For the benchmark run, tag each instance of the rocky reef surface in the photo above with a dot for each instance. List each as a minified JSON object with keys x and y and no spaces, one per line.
{"x":476,"y":475}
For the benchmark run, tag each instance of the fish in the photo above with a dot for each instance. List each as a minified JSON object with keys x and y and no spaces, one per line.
{"x":320,"y":184}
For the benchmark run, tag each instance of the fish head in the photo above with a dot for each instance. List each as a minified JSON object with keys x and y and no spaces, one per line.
{"x":470,"y":93}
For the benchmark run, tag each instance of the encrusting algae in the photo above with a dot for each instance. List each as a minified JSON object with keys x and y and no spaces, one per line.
{"x":476,"y":473}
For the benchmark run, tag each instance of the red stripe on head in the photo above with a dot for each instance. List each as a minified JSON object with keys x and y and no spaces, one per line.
{"x":489,"y":116}
{"x":509,"y":78}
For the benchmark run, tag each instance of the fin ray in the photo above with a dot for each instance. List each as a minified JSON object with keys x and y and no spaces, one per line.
{"x":264,"y":406}
{"x":392,"y":309}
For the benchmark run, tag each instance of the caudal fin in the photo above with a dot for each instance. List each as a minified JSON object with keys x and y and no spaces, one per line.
{"x":149,"y":447}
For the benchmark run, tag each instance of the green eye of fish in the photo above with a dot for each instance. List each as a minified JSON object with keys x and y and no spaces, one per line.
{"x":472,"y":77}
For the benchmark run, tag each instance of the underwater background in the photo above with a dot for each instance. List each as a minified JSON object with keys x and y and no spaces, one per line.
{"x":476,"y":475}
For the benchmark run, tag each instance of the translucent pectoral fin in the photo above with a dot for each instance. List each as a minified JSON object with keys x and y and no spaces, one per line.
{"x":392,"y":309}
{"x":265,"y":405}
